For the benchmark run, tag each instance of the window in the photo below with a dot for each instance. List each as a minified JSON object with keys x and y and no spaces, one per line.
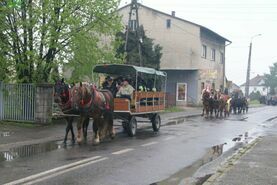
{"x":168,"y":23}
{"x":213,"y":54}
{"x":221,"y":58}
{"x":181,"y":92}
{"x":204,"y":51}
{"x":133,"y":25}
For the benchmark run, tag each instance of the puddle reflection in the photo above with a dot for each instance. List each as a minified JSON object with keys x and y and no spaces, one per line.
{"x":5,"y":134}
{"x":213,"y":153}
{"x":28,"y":150}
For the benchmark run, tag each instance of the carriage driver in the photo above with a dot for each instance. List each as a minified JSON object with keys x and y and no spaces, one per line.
{"x":126,"y":90}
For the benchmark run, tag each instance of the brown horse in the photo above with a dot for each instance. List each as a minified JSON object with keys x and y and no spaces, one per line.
{"x":223,"y":106}
{"x":96,"y":104}
{"x":64,"y":98}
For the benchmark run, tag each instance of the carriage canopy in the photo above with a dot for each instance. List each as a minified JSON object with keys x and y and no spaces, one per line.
{"x":126,"y":70}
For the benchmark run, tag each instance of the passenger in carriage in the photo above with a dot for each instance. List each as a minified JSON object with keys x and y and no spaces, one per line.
{"x":109,"y":85}
{"x":141,"y":84}
{"x":126,"y":90}
{"x":150,"y":84}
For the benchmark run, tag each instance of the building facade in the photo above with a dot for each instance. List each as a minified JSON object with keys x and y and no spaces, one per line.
{"x":193,"y":56}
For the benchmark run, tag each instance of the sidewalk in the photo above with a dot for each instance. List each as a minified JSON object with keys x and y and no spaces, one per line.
{"x":254,"y":165}
{"x":15,"y":136}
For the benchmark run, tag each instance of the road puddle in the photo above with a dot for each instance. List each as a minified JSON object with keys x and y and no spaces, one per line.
{"x":28,"y":151}
{"x":183,"y":176}
{"x":5,"y":134}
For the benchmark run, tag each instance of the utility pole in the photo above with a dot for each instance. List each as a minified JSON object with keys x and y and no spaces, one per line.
{"x":134,"y":8}
{"x":248,"y":72}
{"x":249,"y":67}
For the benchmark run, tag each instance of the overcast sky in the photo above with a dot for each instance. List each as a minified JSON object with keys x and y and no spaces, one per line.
{"x":236,"y":20}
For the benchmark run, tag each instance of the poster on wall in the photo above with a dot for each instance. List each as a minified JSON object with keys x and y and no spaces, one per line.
{"x":181,"y":92}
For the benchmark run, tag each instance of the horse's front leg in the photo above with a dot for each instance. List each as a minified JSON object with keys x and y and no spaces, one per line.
{"x":96,"y":131}
{"x":71,"y":129}
{"x":211,"y":112}
{"x":85,"y":128}
{"x":216,"y":112}
{"x":207,"y":111}
{"x":79,"y":128}
{"x":69,"y":121}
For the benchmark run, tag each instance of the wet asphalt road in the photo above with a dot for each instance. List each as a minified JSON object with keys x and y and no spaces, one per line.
{"x":145,"y":159}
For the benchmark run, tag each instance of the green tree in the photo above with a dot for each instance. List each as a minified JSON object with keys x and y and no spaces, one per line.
{"x":271,"y":78}
{"x":89,"y":51}
{"x":151,"y":53}
{"x":39,"y":36}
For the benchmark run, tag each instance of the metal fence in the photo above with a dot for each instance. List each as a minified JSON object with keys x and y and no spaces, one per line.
{"x":17,"y":102}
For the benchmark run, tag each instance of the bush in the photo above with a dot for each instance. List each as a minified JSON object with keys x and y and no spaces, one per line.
{"x":255,"y":95}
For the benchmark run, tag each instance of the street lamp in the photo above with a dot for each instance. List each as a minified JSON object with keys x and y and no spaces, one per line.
{"x":248,"y":67}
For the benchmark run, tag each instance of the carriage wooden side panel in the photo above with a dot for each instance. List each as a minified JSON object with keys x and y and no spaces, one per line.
{"x":142,"y":102}
{"x":121,"y":104}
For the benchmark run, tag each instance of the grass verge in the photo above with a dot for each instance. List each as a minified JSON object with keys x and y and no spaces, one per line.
{"x":174,"y":109}
{"x":20,"y":124}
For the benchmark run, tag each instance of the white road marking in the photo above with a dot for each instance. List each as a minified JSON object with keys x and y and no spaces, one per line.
{"x":168,"y":138}
{"x":54,"y":170}
{"x":123,"y":151}
{"x":65,"y":171}
{"x":151,"y":143}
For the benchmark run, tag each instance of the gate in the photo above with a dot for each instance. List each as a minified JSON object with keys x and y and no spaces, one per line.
{"x":17,"y":102}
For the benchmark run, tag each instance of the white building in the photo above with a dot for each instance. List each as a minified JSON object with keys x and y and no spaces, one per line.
{"x":256,"y":84}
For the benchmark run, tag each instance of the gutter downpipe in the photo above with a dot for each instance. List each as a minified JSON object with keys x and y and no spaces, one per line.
{"x":224,"y":66}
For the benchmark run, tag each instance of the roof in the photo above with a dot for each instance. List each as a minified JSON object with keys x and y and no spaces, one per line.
{"x":122,"y":69}
{"x":174,"y":17}
{"x":256,"y":81}
{"x":234,"y":86}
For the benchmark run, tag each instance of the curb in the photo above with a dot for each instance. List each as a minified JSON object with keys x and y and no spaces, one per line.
{"x":180,"y":119}
{"x":231,"y":161}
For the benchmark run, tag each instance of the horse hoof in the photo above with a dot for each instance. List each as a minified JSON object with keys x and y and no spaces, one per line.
{"x":79,"y":140}
{"x":73,"y":141}
{"x":112,"y":136}
{"x":96,"y":141}
{"x":64,"y":142}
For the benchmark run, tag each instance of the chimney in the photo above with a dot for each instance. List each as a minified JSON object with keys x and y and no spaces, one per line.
{"x":173,"y":13}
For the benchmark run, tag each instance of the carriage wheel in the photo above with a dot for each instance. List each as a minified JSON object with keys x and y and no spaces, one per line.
{"x":132,"y":127}
{"x":156,"y":122}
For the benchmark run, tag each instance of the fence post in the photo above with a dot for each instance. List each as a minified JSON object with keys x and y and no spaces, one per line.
{"x":43,"y":103}
{"x":1,"y":101}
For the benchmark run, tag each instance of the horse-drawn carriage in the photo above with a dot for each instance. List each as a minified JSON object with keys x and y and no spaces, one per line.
{"x":147,"y":100}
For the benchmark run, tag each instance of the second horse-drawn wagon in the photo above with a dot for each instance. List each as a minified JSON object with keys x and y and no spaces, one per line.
{"x":147,"y":99}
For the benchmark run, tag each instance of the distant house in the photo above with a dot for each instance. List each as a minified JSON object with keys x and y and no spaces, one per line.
{"x":232,"y":87}
{"x":256,"y":84}
{"x":193,"y":55}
